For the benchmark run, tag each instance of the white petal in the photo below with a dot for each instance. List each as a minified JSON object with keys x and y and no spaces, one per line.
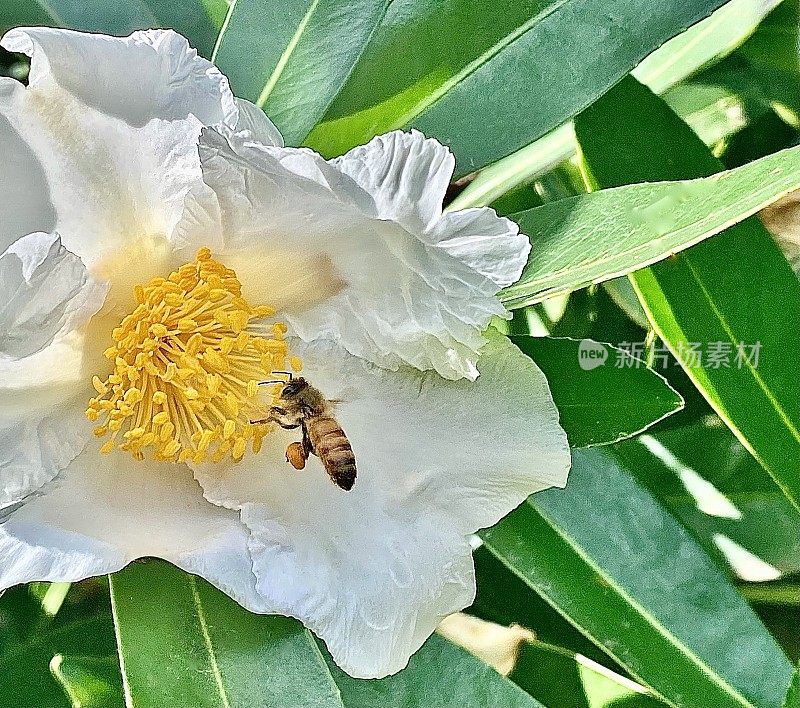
{"x":39,"y":437}
{"x":31,"y":552}
{"x":254,"y":125}
{"x":103,"y":511}
{"x":42,"y":427}
{"x":45,"y":295}
{"x":487,"y":243}
{"x":374,"y":592}
{"x":373,"y":570}
{"x":113,"y":124}
{"x":405,"y":174}
{"x":150,"y":74}
{"x":45,"y":291}
{"x":26,"y":199}
{"x":307,"y":239}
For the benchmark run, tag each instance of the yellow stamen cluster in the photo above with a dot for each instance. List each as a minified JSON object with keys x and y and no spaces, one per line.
{"x":187,"y":363}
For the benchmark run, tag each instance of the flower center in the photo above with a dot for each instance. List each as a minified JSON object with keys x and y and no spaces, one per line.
{"x":187,"y":364}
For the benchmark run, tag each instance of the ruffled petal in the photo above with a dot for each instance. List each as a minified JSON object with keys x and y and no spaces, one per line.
{"x":405,"y":174}
{"x":113,"y":124}
{"x":373,"y":570}
{"x":45,"y":291}
{"x":489,"y":244}
{"x":42,"y":427}
{"x":150,"y":74}
{"x":31,"y":552}
{"x":308,"y":238}
{"x":45,"y":297}
{"x":104,"y":511}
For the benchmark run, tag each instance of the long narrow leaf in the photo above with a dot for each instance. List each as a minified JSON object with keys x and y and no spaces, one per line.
{"x":735,"y":292}
{"x":705,"y":42}
{"x":178,"y":636}
{"x":617,"y":396}
{"x":439,"y":674}
{"x":607,"y":556}
{"x":292,"y":58}
{"x":595,"y":237}
{"x":488,"y":79}
{"x":191,"y":18}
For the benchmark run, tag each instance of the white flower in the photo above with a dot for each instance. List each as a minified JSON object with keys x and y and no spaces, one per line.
{"x":385,"y":299}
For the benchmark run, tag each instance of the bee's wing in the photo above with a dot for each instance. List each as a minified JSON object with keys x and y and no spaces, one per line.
{"x":332,"y":404}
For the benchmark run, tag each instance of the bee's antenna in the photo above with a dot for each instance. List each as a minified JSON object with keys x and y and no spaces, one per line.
{"x":277,"y":381}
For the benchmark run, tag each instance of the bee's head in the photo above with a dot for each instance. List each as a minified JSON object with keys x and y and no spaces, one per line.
{"x":294,"y":387}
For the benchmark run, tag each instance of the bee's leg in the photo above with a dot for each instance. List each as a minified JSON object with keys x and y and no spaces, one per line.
{"x":308,"y":448}
{"x":282,"y":418}
{"x":278,"y":415}
{"x":285,"y":426}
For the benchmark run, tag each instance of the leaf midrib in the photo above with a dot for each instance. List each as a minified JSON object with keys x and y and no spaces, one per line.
{"x":782,"y":414}
{"x":652,"y":621}
{"x":713,"y":396}
{"x":286,"y":55}
{"x":535,"y":288}
{"x":460,"y":76}
{"x":212,"y":657}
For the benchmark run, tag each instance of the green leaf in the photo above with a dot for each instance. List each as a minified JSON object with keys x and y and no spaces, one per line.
{"x":221,"y":655}
{"x":504,"y":598}
{"x":217,"y":11}
{"x":189,"y":17}
{"x":99,"y":16}
{"x":89,"y":681}
{"x":558,"y":677}
{"x":668,"y":65}
{"x":22,"y":13}
{"x":439,"y":674}
{"x":197,"y":20}
{"x":732,"y":289}
{"x":595,"y":237}
{"x":793,"y":694}
{"x":292,"y":58}
{"x":600,"y":400}
{"x":179,"y":636}
{"x":30,"y":638}
{"x":488,"y":79}
{"x":607,"y":556}
{"x":706,"y":42}
{"x":714,"y":486}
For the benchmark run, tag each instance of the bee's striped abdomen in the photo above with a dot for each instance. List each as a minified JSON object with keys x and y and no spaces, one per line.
{"x":331,"y":445}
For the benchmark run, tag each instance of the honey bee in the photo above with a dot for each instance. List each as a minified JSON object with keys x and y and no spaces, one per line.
{"x":301,"y":405}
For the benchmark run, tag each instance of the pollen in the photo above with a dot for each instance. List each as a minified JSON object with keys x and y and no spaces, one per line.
{"x":186,"y":367}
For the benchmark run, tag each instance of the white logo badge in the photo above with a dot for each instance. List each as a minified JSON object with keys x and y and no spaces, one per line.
{"x":591,"y":354}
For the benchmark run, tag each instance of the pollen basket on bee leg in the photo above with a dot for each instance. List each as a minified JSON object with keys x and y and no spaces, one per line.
{"x":187,"y":363}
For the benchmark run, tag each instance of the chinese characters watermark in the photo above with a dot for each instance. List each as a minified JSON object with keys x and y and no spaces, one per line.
{"x":691,"y":355}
